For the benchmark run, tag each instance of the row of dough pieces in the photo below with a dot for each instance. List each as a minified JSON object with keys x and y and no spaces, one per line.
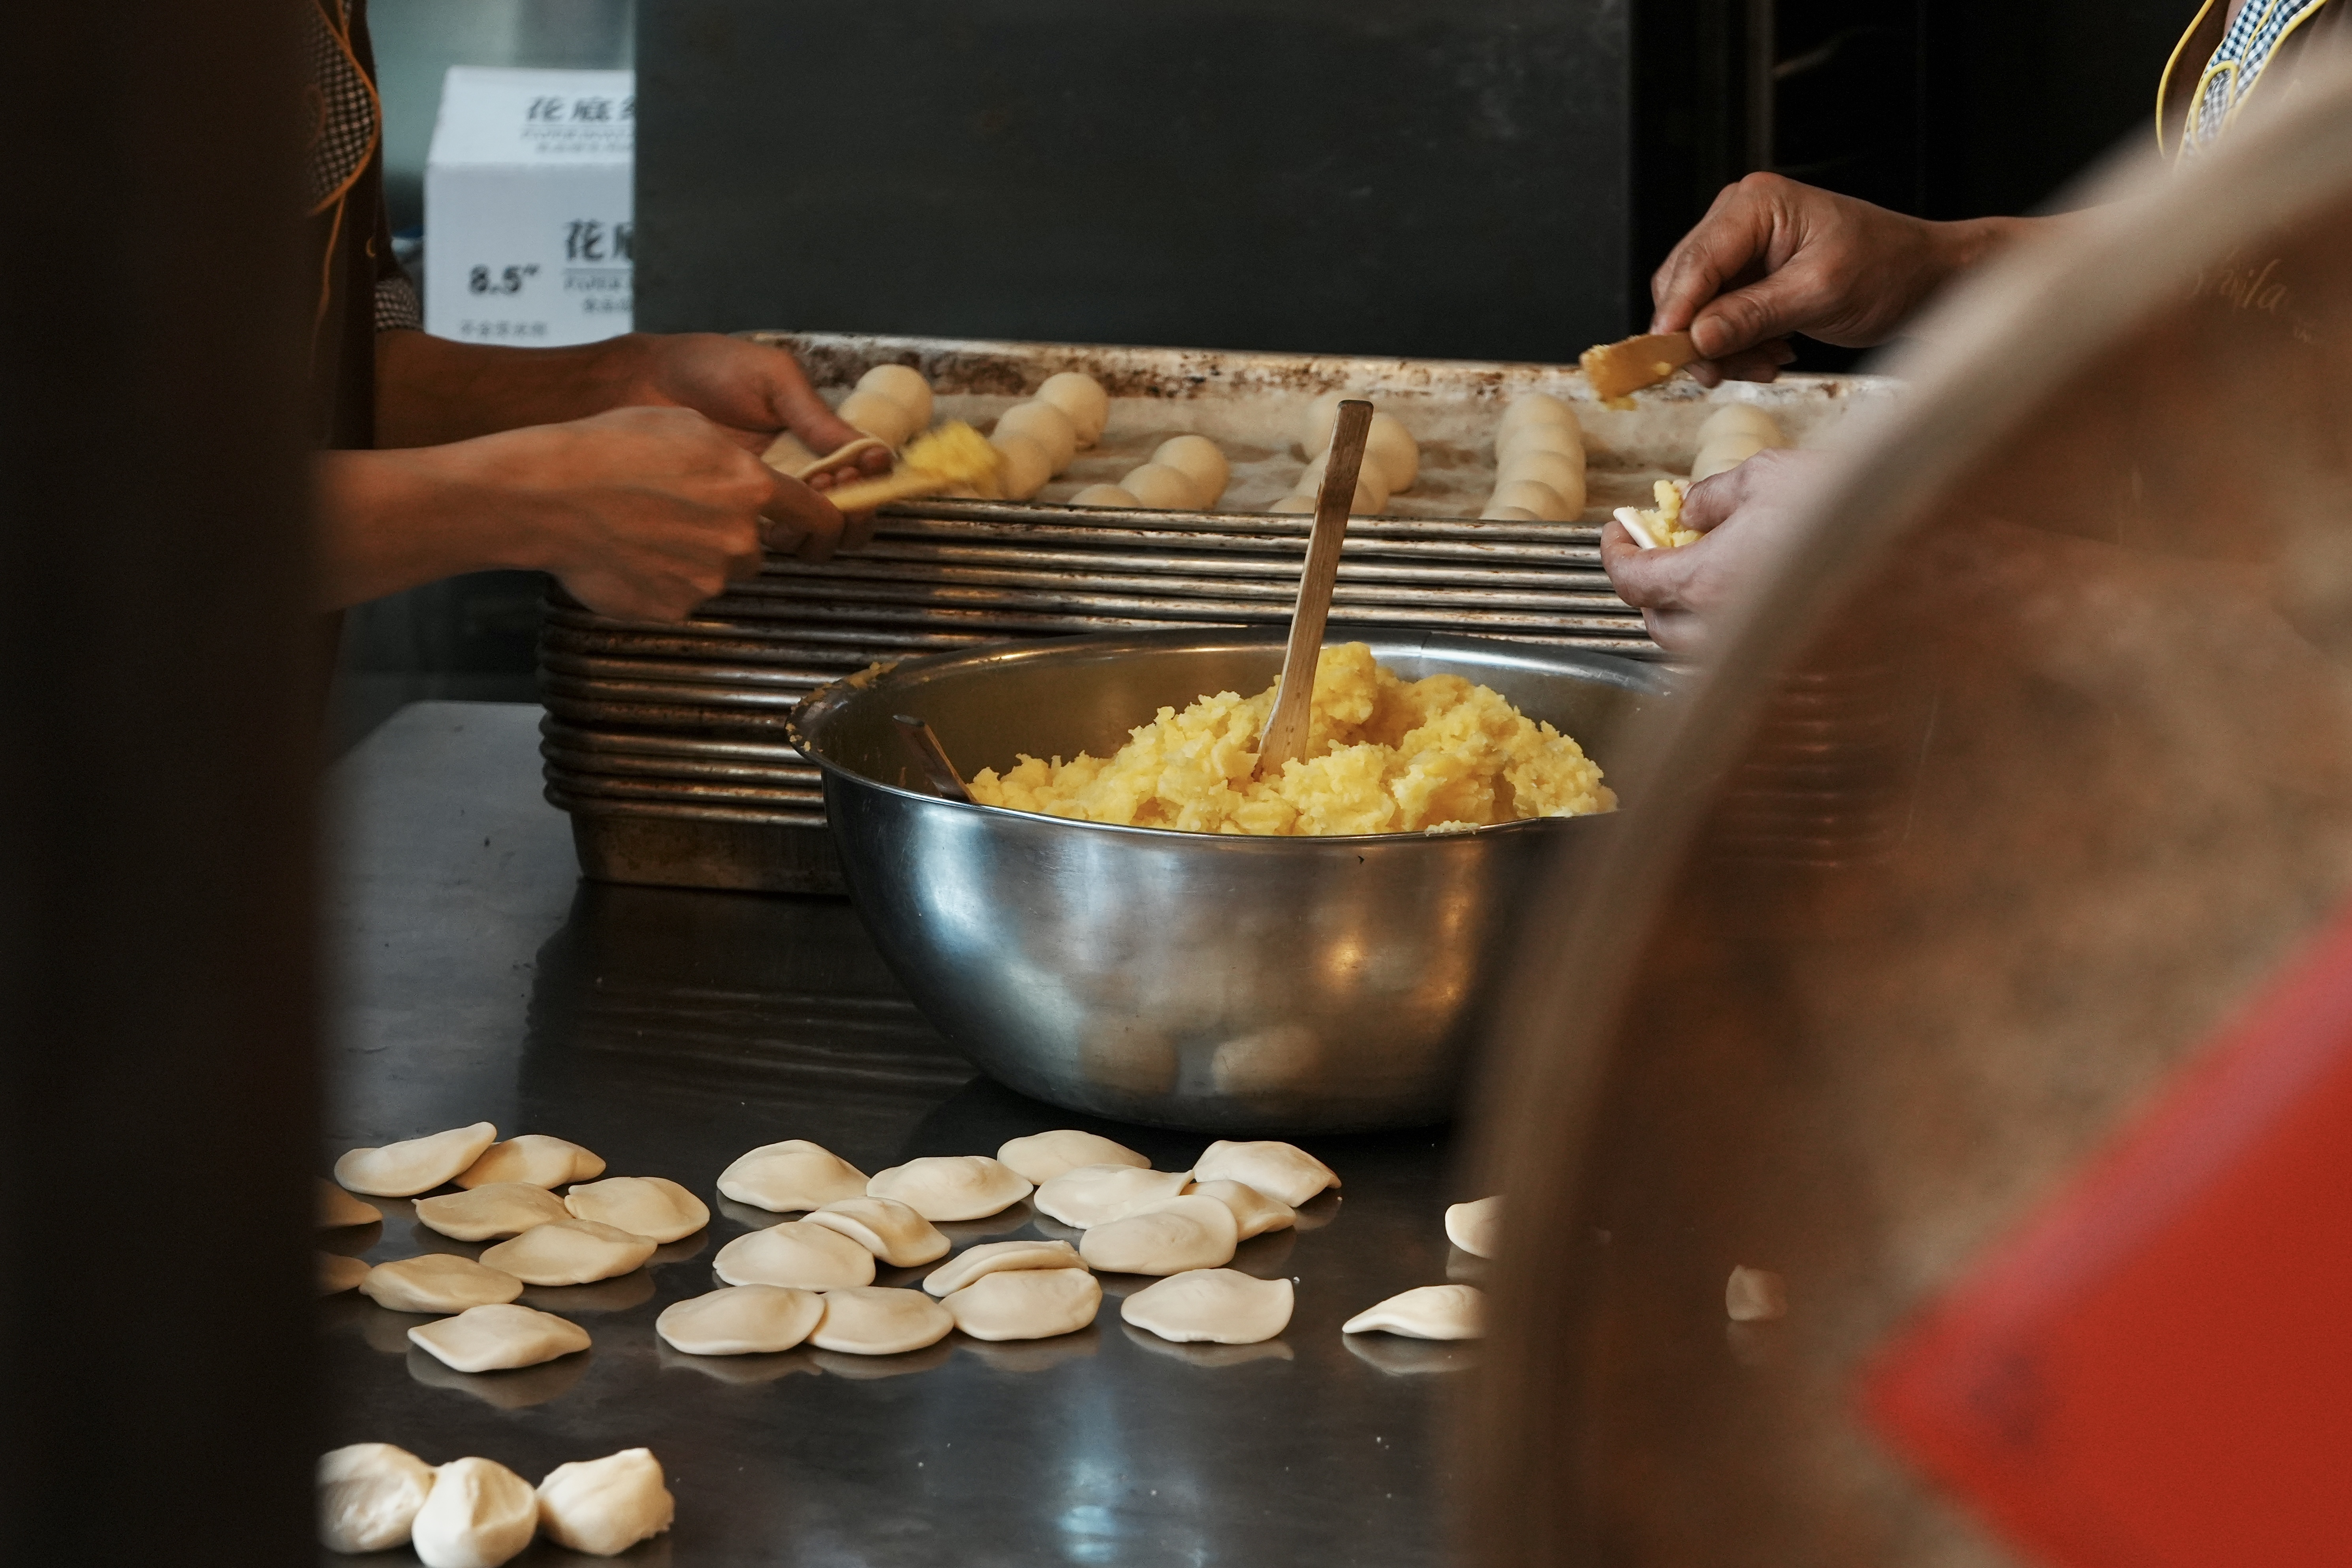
{"x":476,"y":1513}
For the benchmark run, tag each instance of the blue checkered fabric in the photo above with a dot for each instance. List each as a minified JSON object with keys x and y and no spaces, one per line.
{"x":2238,"y":63}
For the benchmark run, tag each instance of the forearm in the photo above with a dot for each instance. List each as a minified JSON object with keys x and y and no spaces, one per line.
{"x":1967,"y":243}
{"x":395,"y":519}
{"x":430,"y":391}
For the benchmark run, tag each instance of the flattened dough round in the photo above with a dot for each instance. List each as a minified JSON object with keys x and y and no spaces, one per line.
{"x":1283,"y":1171}
{"x":1166,"y":1239}
{"x":642,"y":1205}
{"x":489,"y":1213}
{"x":995,"y":1257}
{"x":1253,"y":1211}
{"x":1087,"y":1195}
{"x":338,"y":1274}
{"x":603,"y":1507}
{"x":1221,"y":1305}
{"x":1042,"y":1156}
{"x":952,"y":1187}
{"x":790,"y":1176}
{"x":886,"y":1227}
{"x":534,"y":1157}
{"x":480,"y":1515}
{"x":570,"y":1252}
{"x":437,"y":1282}
{"x":1427,"y":1313}
{"x":872,"y":1320}
{"x":415,"y":1165}
{"x":741,"y":1320}
{"x":797,"y":1254}
{"x":1475,"y":1227}
{"x":338,"y":1210}
{"x":496,"y":1337}
{"x":368,"y":1496}
{"x":1026,"y":1303}
{"x":1082,"y":397}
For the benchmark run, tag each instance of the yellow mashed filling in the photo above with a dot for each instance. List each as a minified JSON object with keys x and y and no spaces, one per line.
{"x":1665,"y":523}
{"x":1383,"y":756}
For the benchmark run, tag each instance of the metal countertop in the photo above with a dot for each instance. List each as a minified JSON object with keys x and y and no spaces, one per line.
{"x":671,"y":1030}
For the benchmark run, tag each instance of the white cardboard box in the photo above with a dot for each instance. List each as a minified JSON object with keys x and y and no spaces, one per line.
{"x":528,"y":210}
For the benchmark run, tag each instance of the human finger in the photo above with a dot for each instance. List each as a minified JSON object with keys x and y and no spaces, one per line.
{"x":812,"y":521}
{"x":1730,"y":242}
{"x":796,"y":405}
{"x":1647,"y":579}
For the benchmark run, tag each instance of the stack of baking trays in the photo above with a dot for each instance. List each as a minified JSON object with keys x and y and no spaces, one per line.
{"x":667,"y":744}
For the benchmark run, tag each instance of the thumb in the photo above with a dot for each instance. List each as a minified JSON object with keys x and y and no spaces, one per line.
{"x":1772,"y":307}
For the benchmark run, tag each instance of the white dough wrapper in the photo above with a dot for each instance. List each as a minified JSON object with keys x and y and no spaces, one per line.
{"x":338,"y":1210}
{"x":337,"y":1274}
{"x":1198,"y":459}
{"x":1082,"y":398}
{"x":368,"y":1496}
{"x":603,"y":1507}
{"x":889,"y":1229}
{"x":793,"y":1175}
{"x":1426,"y":1312}
{"x":904,"y":385}
{"x":1096,"y":1194}
{"x":1025,"y":466}
{"x":1219,"y":1306}
{"x":1475,"y":1227}
{"x":1254,"y":1212}
{"x":1026,"y":1303}
{"x":439,"y":1282}
{"x":1042,"y":1156}
{"x":652,"y":1206}
{"x":741,"y":1320}
{"x":952,"y":1187}
{"x":887,"y":421}
{"x":1167,"y":1238}
{"x":570,"y":1252}
{"x":1162,"y":488}
{"x":1104,"y":495}
{"x":479,"y":1515}
{"x":797,"y":1254}
{"x":536,"y":1158}
{"x":499,"y":1337}
{"x":489,"y":1213}
{"x":415,"y":1165}
{"x":874,"y":1320}
{"x":1283,"y":1171}
{"x":995,"y":1257}
{"x":1044,"y":424}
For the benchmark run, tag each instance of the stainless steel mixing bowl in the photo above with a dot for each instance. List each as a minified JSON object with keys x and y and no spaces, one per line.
{"x":1224,"y":983}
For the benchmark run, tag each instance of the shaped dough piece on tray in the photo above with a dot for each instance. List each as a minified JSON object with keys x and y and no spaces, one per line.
{"x":1044,"y":424}
{"x":570,"y":1252}
{"x":1429,"y":1312}
{"x":1475,"y":1227}
{"x":368,"y":1496}
{"x":654,"y":1206}
{"x":603,"y":1507}
{"x":1162,"y":488}
{"x":1082,"y":398}
{"x":902,"y":384}
{"x":1198,"y":459}
{"x":490,"y":1213}
{"x":415,"y":1165}
{"x":534,"y":1157}
{"x":337,"y":1274}
{"x":437,"y":1282}
{"x":741,"y":1320}
{"x":1253,"y":1211}
{"x":1042,"y":1156}
{"x":791,"y":1176}
{"x":797,"y":1254}
{"x":1089,"y":1196}
{"x":1026,"y":465}
{"x":338,"y":1210}
{"x":1104,"y":495}
{"x":886,"y":1227}
{"x":874,"y":1320}
{"x":952,"y":1187}
{"x":496,"y":1337}
{"x":479,"y":1514}
{"x":1221,"y":1305}
{"x":998,"y":1257}
{"x":1283,"y":1171}
{"x":1026,"y":1303}
{"x":1167,"y":1238}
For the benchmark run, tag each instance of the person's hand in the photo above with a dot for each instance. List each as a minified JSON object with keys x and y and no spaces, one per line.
{"x":1747,"y":515}
{"x":751,"y":390}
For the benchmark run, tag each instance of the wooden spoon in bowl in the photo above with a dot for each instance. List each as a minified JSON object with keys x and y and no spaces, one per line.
{"x":1285,"y":727}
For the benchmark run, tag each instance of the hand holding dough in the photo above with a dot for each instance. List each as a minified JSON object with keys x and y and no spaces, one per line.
{"x":415,"y":1165}
{"x":437,"y":1282}
{"x":1475,"y":1227}
{"x":1220,"y":1306}
{"x":369,"y":1494}
{"x":997,"y":1257}
{"x":797,"y":1254}
{"x":1430,"y":1312}
{"x":952,"y":1187}
{"x":1167,"y":1238}
{"x":603,"y":1507}
{"x":1042,"y":1156}
{"x":1026,"y":1303}
{"x":791,"y":1175}
{"x":1097,"y":1195}
{"x":497,"y":1338}
{"x":1082,"y":397}
{"x":889,"y":1229}
{"x":652,"y":1206}
{"x":875,"y":1321}
{"x":570,"y":1252}
{"x":741,"y":1320}
{"x":1283,"y":1171}
{"x":488,"y":1213}
{"x":479,"y":1515}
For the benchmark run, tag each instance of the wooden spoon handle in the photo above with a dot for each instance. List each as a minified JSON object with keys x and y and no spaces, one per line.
{"x":1285,"y":727}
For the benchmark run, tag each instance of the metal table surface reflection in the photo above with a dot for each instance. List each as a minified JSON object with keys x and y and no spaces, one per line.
{"x":671,"y":1030}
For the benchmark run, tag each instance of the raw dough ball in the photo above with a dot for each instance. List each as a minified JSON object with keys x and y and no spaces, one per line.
{"x":1430,"y":1312}
{"x":1507,"y":514}
{"x":499,"y":1336}
{"x":570,"y":1252}
{"x":791,"y":1175}
{"x":338,"y":1274}
{"x":1283,"y":1171}
{"x":1755,"y":1296}
{"x":536,"y":1158}
{"x":1104,"y":495}
{"x":1161,"y":487}
{"x":655,"y":1206}
{"x":1080,"y":396}
{"x":1223,"y":1305}
{"x":952,"y":1187}
{"x":1740,"y":419}
{"x":873,"y":1321}
{"x":1295,"y":502}
{"x":439,"y":1282}
{"x":902,"y":384}
{"x":743,"y":1320}
{"x":1389,"y":447}
{"x":1166,"y":1239}
{"x":1565,"y":478}
{"x":878,"y":417}
{"x":1314,"y":426}
{"x":1198,"y":459}
{"x":997,"y":1257}
{"x":1543,"y":500}
{"x":488,"y":1213}
{"x":1724,"y":453}
{"x":1044,"y":424}
{"x":1475,"y":1227}
{"x":889,"y":1229}
{"x":603,"y":1507}
{"x":415,"y":1165}
{"x":1097,"y":1195}
{"x":1042,"y":1156}
{"x":1536,"y":409}
{"x":1026,"y":1303}
{"x":479,"y":1514}
{"x":1561,"y":440}
{"x":368,"y":1496}
{"x":1026,"y":465}
{"x":1371,"y":489}
{"x":795,"y":1253}
{"x":1253,"y":1211}
{"x":338,"y":1210}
